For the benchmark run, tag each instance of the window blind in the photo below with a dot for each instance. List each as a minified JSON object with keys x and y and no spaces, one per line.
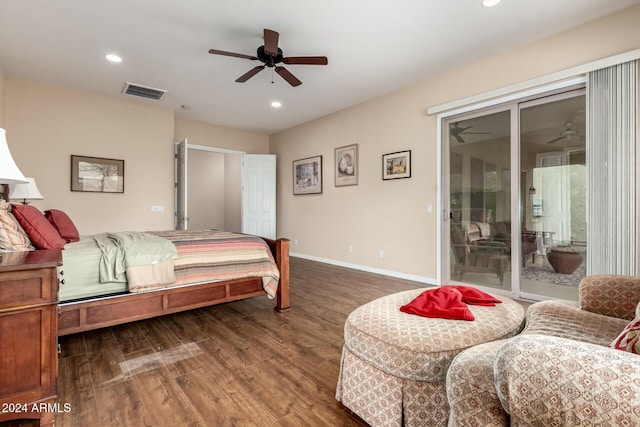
{"x":611,"y":169}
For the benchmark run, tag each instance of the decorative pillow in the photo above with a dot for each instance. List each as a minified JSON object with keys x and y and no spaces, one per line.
{"x":63,"y":224}
{"x":42,"y":234}
{"x":12,"y":236}
{"x":629,"y":338}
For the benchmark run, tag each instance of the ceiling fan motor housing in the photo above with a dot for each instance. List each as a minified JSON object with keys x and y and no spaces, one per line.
{"x":268,"y":59}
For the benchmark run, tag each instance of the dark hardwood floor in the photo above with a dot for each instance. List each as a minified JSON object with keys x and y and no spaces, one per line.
{"x":234,"y":364}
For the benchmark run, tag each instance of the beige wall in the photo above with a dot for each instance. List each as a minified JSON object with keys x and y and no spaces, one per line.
{"x":198,"y":133}
{"x":392,"y":215}
{"x":215,"y":191}
{"x":2,"y":125}
{"x":205,"y":200}
{"x":47,"y":124}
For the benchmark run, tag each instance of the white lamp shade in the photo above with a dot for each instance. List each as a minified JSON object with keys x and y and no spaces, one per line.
{"x":28,"y":191}
{"x":9,"y":172}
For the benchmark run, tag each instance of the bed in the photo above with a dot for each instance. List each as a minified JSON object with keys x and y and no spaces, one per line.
{"x":113,"y":278}
{"x":211,"y":267}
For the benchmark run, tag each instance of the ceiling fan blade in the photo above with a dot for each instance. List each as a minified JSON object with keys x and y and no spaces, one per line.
{"x":306,"y":60}
{"x":556,"y":140}
{"x":271,"y":41}
{"x":459,"y":138}
{"x":290,"y":78}
{"x":252,"y":72}
{"x":235,"y":55}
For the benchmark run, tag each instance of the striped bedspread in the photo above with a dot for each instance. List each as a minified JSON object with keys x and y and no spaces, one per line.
{"x":210,"y":255}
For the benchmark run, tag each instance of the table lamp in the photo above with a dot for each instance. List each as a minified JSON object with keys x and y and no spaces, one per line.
{"x":9,"y":172}
{"x":28,"y":191}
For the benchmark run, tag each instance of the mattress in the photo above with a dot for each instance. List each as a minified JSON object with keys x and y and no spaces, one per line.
{"x":80,"y":261}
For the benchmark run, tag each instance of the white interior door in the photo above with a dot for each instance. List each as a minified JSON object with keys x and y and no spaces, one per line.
{"x":180,"y":169}
{"x":259,"y":195}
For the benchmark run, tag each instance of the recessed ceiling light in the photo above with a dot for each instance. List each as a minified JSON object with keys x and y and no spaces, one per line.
{"x":489,"y":3}
{"x":113,"y":57}
{"x":276,"y":104}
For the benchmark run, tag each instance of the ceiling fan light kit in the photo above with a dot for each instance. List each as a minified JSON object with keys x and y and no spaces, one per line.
{"x":567,"y":134}
{"x":271,"y":55}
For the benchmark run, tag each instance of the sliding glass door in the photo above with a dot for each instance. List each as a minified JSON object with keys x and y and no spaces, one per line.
{"x":553,"y":158}
{"x":479,"y":199}
{"x":514,"y":192}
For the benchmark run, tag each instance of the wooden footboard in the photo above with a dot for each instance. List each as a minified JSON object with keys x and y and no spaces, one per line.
{"x":101,"y":312}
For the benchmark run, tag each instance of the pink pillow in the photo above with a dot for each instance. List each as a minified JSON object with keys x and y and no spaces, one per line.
{"x":42,"y":234}
{"x":629,"y":338}
{"x":63,"y":224}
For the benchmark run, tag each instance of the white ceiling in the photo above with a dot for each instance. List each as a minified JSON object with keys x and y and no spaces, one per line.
{"x":374,"y":48}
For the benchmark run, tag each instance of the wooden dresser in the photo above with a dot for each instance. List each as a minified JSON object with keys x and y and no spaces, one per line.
{"x":28,"y":335}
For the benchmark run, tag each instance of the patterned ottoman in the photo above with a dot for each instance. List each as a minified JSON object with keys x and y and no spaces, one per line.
{"x":394,"y":364}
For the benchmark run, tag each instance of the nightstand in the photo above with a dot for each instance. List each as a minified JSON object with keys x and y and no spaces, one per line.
{"x":28,"y":335}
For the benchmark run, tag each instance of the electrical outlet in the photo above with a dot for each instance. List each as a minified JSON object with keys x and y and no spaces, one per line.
{"x":157,"y":208}
{"x":295,"y":241}
{"x":350,"y":249}
{"x":380,"y":253}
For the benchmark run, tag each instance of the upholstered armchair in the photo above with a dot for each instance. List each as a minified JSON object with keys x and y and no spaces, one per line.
{"x":561,"y":370}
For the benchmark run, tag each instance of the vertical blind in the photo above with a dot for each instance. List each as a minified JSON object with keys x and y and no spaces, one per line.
{"x":611,"y":147}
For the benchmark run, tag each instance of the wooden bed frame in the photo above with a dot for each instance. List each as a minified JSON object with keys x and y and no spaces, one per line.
{"x":100,"y":312}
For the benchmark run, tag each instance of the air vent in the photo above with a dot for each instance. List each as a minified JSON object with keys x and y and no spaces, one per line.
{"x":143,"y":91}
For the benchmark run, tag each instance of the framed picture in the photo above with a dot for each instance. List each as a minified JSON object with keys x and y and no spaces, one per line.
{"x":307,"y":175}
{"x":97,"y":175}
{"x":346,"y":166}
{"x":396,"y":165}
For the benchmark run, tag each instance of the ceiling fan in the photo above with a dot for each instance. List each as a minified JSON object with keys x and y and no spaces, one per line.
{"x":568,"y":133}
{"x":456,"y":131}
{"x":271,"y":55}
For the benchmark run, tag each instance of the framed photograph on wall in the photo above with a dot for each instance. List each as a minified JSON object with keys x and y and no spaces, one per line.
{"x":346,"y":166}
{"x":97,"y":175}
{"x":396,"y":165}
{"x":307,"y":175}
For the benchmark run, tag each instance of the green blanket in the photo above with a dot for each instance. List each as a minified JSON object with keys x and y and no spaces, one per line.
{"x":123,"y":250}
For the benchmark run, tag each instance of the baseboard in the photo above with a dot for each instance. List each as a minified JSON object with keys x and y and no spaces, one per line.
{"x":390,"y":273}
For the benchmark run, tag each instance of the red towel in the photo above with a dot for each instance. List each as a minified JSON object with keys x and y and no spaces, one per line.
{"x":475,"y":296}
{"x":443,"y":302}
{"x":448,"y":302}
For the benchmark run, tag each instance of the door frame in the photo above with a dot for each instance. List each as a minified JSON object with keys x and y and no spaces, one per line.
{"x":179,"y":177}
{"x":509,"y":101}
{"x":182,"y":187}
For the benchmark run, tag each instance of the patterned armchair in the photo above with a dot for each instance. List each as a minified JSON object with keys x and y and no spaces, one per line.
{"x":560,"y":370}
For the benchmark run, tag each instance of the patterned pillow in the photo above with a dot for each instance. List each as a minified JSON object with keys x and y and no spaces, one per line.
{"x":12,"y":236}
{"x":629,"y":338}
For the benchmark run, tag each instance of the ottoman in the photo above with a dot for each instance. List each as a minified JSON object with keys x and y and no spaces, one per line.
{"x":394,"y":364}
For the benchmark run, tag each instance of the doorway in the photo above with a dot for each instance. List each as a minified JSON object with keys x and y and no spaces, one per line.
{"x":233,"y":191}
{"x":214,"y":193}
{"x":514,"y":191}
